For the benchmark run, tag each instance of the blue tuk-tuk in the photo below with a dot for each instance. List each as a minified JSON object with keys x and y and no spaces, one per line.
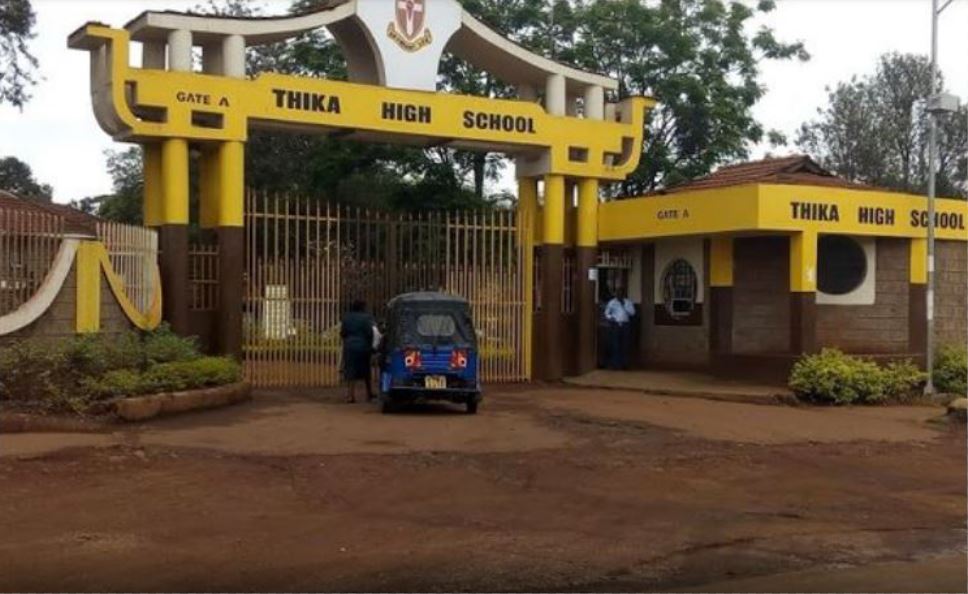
{"x":429,"y":352}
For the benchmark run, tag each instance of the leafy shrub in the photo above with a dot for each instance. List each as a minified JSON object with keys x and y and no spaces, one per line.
{"x":166,"y":377}
{"x":92,"y":355}
{"x":834,"y":377}
{"x":114,"y":384}
{"x":71,"y":374}
{"x":902,"y":379}
{"x":32,"y":370}
{"x":164,"y":346}
{"x":185,"y":375}
{"x":951,"y":370}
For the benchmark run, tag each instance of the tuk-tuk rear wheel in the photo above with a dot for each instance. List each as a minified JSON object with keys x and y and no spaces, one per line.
{"x":472,"y":407}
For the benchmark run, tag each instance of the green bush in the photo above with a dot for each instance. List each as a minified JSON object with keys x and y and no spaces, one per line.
{"x":32,"y":370}
{"x":164,"y":346}
{"x":903,"y":380}
{"x":834,"y":377}
{"x":186,"y":375}
{"x":114,"y":384}
{"x":166,"y":377}
{"x":93,"y":355}
{"x":951,"y":370}
{"x":71,"y":374}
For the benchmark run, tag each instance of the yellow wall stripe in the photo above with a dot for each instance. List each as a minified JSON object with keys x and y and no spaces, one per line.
{"x":587,"y":213}
{"x":721,"y":262}
{"x":919,"y":261}
{"x":803,"y":262}
{"x":88,"y":271}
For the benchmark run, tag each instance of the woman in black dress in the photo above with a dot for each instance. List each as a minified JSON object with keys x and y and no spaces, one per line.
{"x":356,"y":331}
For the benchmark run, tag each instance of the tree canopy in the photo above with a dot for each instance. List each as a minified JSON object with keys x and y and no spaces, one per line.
{"x":17,"y":177}
{"x":874,"y":130}
{"x":17,"y":64}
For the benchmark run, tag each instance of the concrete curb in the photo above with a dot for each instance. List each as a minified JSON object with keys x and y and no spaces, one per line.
{"x":778,"y":399}
{"x":142,"y":408}
{"x":28,"y":423}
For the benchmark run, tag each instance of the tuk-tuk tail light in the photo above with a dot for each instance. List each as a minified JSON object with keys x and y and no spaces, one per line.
{"x":412,"y":359}
{"x":458,"y":359}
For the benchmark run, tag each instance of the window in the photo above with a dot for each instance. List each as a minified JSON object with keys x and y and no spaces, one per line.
{"x":841,"y":265}
{"x":679,"y":288}
{"x":436,"y":326}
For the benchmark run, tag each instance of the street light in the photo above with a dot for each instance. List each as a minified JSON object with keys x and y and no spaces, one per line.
{"x":938,"y":103}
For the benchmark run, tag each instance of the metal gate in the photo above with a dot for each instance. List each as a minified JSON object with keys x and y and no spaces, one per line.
{"x":307,"y":260}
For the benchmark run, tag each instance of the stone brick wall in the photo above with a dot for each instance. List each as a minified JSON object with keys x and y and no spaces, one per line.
{"x":671,"y":345}
{"x":59,"y":320}
{"x":883,"y":326}
{"x":761,"y":295}
{"x":951,"y":281}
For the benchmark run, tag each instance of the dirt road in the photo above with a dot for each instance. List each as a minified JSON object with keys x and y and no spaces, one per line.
{"x":548,"y":490}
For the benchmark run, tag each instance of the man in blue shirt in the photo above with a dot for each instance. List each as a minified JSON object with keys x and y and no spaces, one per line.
{"x":618,"y":313}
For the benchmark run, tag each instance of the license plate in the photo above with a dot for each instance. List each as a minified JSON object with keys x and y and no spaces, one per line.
{"x":435,"y":382}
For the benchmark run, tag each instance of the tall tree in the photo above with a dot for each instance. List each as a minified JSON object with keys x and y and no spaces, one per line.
{"x":124,"y":204}
{"x":875,"y":130}
{"x":17,"y":177}
{"x":17,"y":64}
{"x":698,"y":60}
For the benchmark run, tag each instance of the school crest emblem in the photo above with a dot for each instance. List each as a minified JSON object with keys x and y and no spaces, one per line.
{"x":409,"y":28}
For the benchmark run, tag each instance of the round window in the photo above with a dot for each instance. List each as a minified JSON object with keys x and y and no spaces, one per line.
{"x":841,"y":265}
{"x":679,"y":286}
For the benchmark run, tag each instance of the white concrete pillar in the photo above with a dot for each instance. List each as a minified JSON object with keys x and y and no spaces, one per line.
{"x":527,"y":93}
{"x":555,"y":96}
{"x":571,"y":106}
{"x":153,"y":55}
{"x":594,"y":103}
{"x":212,"y":59}
{"x":233,"y":56}
{"x":611,"y":112}
{"x":180,"y":51}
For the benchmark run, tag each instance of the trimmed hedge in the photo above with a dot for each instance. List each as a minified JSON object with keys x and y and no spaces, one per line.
{"x":951,"y":370}
{"x":175,"y":376}
{"x":837,"y":378}
{"x":74,"y":374}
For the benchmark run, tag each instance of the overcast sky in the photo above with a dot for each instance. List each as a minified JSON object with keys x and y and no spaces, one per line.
{"x":57,"y":136}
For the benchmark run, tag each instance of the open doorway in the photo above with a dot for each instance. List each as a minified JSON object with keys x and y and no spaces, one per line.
{"x":614,"y":270}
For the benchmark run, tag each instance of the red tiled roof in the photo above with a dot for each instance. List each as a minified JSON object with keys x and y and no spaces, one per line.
{"x":795,"y":169}
{"x":75,"y":221}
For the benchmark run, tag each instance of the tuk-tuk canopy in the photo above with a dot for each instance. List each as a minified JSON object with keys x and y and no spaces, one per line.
{"x":426,"y":318}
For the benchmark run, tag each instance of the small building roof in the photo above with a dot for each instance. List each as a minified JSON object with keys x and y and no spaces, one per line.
{"x":426,"y":297}
{"x":794,"y":169}
{"x":74,"y":221}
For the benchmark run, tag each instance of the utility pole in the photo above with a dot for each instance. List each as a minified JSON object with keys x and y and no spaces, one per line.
{"x":938,"y":103}
{"x":932,"y":149}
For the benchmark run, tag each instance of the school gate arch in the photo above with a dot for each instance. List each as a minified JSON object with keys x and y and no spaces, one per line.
{"x":570,"y":139}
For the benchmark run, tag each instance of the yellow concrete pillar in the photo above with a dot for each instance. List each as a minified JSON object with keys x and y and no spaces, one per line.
{"x":919,"y":261}
{"x":527,"y":220}
{"x":153,"y":191}
{"x":803,"y":292}
{"x":587,"y":213}
{"x":87,"y":316}
{"x":231,"y":190}
{"x":803,"y":262}
{"x":222,"y":186}
{"x":553,"y":217}
{"x":174,"y":174}
{"x":209,"y":188}
{"x":721,"y":262}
